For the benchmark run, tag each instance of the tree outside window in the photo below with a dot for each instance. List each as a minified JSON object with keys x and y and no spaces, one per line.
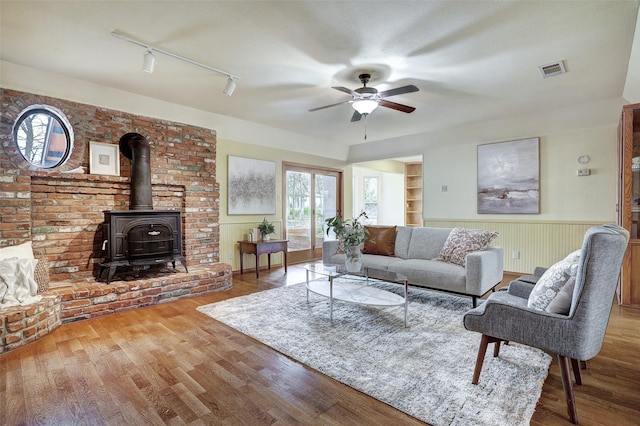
{"x":371,"y":199}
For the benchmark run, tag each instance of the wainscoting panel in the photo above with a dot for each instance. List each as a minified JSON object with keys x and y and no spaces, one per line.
{"x":538,"y":243}
{"x":231,"y":233}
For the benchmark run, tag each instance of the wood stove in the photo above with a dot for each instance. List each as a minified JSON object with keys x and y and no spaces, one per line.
{"x":141,"y":236}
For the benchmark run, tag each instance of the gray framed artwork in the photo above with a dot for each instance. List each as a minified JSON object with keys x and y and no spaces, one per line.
{"x":251,"y":186}
{"x":509,"y":177}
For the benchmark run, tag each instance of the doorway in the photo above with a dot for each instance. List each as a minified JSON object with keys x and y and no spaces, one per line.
{"x":312,"y":195}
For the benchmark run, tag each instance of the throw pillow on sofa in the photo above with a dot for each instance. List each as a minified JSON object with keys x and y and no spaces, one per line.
{"x":552,"y":281}
{"x":463,"y":241}
{"x":381,"y":240}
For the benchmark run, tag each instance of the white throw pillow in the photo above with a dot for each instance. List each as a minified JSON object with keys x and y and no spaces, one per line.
{"x":22,"y":251}
{"x":552,"y":281}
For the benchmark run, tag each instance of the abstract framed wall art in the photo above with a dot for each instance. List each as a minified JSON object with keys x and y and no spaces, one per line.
{"x":251,"y":186}
{"x":104,"y":159}
{"x":509,"y":177}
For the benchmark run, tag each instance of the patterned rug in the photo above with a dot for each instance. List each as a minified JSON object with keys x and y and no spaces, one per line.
{"x":424,"y":370}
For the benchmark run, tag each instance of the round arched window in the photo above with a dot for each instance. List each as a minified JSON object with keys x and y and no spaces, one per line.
{"x":44,"y":136}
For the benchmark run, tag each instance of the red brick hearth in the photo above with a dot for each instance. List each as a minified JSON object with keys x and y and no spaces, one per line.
{"x":81,"y":299}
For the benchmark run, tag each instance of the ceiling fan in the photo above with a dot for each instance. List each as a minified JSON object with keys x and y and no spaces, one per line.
{"x":365,"y":99}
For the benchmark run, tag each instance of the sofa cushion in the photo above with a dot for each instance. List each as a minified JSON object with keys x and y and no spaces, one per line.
{"x":427,"y":242}
{"x":368,"y":260}
{"x":552,"y":281}
{"x":461,"y":242}
{"x":403,"y":238}
{"x":432,"y":274}
{"x":382,"y":240}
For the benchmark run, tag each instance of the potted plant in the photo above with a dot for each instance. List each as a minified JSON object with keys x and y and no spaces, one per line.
{"x":351,"y":234}
{"x":266,"y":228}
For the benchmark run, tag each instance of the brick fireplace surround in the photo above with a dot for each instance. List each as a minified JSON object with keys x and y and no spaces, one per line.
{"x":61,"y":214}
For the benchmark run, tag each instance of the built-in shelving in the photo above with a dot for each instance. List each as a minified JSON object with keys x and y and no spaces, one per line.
{"x":629,"y":202}
{"x":413,"y":194}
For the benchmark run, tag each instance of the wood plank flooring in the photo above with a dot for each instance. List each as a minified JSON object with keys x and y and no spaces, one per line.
{"x":170,"y":364}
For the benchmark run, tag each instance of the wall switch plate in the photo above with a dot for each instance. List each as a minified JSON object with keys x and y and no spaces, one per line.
{"x":443,"y":188}
{"x":516,"y":254}
{"x":584,"y":172}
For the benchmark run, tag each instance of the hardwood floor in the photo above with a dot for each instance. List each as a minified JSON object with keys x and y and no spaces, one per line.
{"x":170,"y":364}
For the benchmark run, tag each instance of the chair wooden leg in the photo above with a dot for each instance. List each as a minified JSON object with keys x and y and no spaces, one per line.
{"x":575,"y":364}
{"x":484,"y":342}
{"x":583,"y":365}
{"x":563,"y":361}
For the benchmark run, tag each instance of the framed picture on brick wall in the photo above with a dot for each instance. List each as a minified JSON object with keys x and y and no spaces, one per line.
{"x":251,"y":186}
{"x":104,"y":159}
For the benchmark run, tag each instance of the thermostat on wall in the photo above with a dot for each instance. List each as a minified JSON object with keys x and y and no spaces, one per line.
{"x":584,"y":159}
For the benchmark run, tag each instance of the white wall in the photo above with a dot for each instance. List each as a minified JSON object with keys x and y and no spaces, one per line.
{"x":564,"y":195}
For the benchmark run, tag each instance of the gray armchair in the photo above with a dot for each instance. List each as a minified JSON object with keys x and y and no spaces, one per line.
{"x":577,"y":336}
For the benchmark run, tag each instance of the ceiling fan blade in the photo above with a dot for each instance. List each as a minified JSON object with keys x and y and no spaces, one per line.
{"x":398,"y":91}
{"x":329,"y":106}
{"x":345,"y":90}
{"x":356,"y":116}
{"x":396,"y":106}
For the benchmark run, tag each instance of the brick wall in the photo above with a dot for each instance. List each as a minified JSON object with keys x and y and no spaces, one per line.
{"x":61,"y":212}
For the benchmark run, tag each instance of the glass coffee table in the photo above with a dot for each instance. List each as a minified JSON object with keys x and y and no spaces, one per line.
{"x":361,"y":292}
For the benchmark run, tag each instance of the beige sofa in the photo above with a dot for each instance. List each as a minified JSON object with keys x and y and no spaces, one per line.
{"x":414,"y":251}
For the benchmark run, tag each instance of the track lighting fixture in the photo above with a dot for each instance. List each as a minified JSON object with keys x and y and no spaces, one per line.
{"x":230,"y":87}
{"x":150,"y":62}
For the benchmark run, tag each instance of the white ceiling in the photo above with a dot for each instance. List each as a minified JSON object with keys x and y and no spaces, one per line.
{"x":472,"y":61}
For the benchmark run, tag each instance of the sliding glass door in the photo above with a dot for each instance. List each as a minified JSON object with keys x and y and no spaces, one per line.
{"x":311,"y":196}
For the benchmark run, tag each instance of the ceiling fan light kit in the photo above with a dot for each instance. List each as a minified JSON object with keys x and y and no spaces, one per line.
{"x":366,"y":99}
{"x":365,"y":106}
{"x":150,"y":61}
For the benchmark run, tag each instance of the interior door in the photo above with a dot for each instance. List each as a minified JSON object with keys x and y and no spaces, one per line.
{"x":312,"y":195}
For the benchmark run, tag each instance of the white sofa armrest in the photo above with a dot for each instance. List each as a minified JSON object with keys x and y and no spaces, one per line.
{"x":329,"y":248}
{"x":484,"y":269}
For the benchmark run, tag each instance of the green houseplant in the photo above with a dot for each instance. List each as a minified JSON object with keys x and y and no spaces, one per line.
{"x":266,"y":228}
{"x":351,"y":234}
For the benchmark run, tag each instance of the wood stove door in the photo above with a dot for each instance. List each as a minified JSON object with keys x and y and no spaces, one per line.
{"x":150,"y":241}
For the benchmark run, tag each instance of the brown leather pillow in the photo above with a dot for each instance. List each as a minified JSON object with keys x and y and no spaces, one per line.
{"x":382,"y":240}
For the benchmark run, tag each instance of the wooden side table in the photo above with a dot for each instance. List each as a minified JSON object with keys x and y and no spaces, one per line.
{"x":262,"y":247}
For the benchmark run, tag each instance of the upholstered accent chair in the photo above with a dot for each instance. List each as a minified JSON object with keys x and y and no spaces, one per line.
{"x":577,"y":336}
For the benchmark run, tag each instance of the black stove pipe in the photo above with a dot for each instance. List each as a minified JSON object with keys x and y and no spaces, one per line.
{"x":135,"y":147}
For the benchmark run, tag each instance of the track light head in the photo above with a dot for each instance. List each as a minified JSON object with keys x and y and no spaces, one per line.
{"x":149,"y":62}
{"x":230,"y":87}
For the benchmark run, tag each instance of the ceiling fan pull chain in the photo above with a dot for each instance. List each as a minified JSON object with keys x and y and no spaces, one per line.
{"x":365,"y":126}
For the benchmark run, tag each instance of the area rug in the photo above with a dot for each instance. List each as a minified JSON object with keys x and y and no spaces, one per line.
{"x":424,"y":369}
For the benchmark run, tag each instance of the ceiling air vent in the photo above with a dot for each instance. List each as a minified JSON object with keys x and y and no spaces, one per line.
{"x":550,"y":70}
